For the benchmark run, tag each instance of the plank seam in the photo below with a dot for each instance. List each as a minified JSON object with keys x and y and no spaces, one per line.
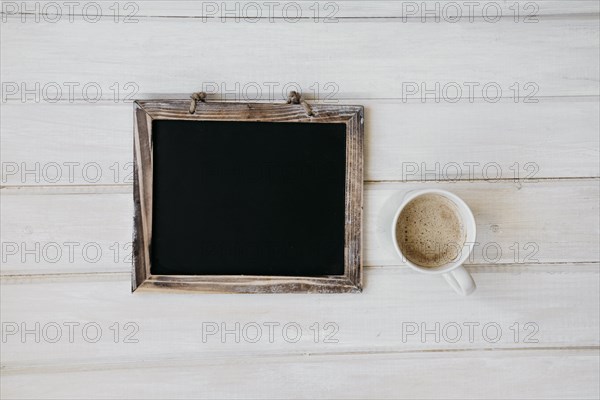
{"x":475,"y":268}
{"x":215,"y":359}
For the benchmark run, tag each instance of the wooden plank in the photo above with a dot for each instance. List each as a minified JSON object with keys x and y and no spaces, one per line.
{"x":63,"y":233}
{"x":557,"y":56}
{"x":516,"y":222}
{"x":507,"y":375}
{"x":393,"y":314}
{"x":445,"y":10}
{"x":470,"y":375}
{"x":92,"y":143}
{"x":72,"y":232}
{"x":425,"y":142}
{"x":46,"y":144}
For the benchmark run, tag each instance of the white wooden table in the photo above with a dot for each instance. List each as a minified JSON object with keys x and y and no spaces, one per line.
{"x":526,"y":161}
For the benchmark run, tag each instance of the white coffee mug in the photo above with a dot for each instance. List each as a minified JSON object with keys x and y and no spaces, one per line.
{"x":454,"y":272}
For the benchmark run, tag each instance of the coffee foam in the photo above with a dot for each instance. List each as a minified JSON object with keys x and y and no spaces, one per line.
{"x":429,"y":231}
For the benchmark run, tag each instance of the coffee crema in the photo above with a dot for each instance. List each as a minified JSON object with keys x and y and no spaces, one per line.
{"x":429,"y":231}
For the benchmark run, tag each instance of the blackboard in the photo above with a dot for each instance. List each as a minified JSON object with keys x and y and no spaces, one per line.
{"x":247,"y":198}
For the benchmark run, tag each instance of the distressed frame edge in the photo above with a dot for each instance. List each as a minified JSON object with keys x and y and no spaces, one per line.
{"x":352,"y":279}
{"x":140,"y":263}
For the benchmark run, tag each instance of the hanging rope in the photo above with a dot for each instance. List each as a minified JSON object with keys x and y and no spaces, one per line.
{"x":293,"y":98}
{"x":296,"y":98}
{"x":196,"y":97}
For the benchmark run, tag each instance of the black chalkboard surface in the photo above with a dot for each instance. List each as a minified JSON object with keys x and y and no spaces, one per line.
{"x":248,"y":198}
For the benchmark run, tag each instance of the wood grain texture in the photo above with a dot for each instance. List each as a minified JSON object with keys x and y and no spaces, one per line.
{"x":562,"y":309}
{"x":58,"y":223}
{"x":403,"y":141}
{"x":142,"y":198}
{"x":233,"y":111}
{"x":375,"y":9}
{"x":558,"y":56}
{"x":147,"y":111}
{"x":469,"y":375}
{"x":515,"y":224}
{"x":311,"y":9}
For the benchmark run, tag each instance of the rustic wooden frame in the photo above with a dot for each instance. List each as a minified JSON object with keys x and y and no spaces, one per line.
{"x":146,"y":111}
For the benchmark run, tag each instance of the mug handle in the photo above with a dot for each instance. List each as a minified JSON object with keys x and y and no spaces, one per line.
{"x":461,"y":281}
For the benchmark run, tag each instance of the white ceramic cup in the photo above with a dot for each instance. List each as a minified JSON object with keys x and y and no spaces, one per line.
{"x":454,"y":272}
